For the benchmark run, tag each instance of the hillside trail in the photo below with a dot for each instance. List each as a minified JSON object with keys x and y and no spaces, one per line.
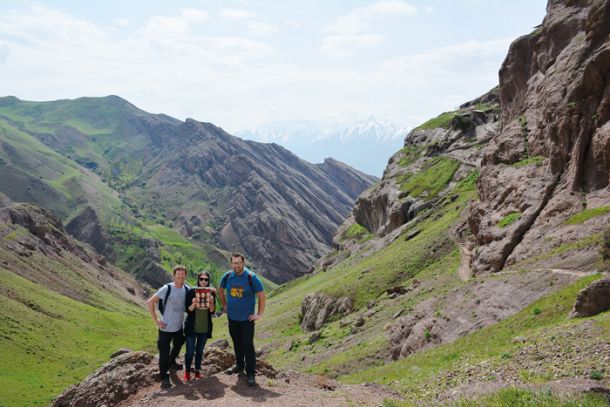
{"x":288,"y":389}
{"x":464,"y":270}
{"x":552,"y":270}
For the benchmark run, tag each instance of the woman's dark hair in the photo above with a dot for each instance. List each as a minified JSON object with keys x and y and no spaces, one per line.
{"x":207,"y":274}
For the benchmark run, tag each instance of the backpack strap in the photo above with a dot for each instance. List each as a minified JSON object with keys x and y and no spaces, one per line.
{"x":232,"y":273}
{"x":163,"y":302}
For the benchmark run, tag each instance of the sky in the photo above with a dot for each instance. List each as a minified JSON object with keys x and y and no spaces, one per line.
{"x":244,"y":63}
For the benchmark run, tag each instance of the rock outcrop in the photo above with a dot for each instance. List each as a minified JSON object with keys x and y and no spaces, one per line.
{"x":552,"y":156}
{"x":86,"y":227}
{"x":316,"y":308}
{"x":452,"y":141}
{"x":593,"y":299}
{"x":114,"y":382}
{"x":128,"y":373}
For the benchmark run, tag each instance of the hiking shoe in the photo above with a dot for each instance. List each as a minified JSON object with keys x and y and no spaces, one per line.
{"x":235,"y":369}
{"x":187,"y":377}
{"x":175,"y":366}
{"x":166,"y":384}
{"x":198,"y":375}
{"x":251,"y":381}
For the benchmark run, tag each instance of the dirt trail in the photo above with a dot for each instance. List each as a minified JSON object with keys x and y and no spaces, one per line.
{"x":288,"y":389}
{"x":464,"y":270}
{"x":555,"y":271}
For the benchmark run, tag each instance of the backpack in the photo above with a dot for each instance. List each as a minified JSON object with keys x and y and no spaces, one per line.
{"x":225,"y":278}
{"x":162,"y":302}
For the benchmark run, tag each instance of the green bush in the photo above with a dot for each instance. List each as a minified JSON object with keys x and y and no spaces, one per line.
{"x":509,"y":219}
{"x":596,"y":375}
{"x":537,"y":160}
{"x":587,"y":214}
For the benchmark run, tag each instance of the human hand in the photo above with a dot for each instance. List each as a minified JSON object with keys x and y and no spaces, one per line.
{"x":254,"y":317}
{"x":160,"y":324}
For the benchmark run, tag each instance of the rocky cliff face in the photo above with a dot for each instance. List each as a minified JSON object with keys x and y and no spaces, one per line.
{"x":436,"y":156}
{"x":551,"y":159}
{"x":258,"y":198}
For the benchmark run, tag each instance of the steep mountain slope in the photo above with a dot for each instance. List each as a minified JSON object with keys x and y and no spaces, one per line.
{"x":216,"y":189}
{"x":63,"y":308}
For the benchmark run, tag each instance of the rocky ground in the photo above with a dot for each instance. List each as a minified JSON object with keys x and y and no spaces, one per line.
{"x":287,"y":389}
{"x":131,"y":379}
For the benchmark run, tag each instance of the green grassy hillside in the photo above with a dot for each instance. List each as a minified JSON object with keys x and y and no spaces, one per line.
{"x":50,"y":341}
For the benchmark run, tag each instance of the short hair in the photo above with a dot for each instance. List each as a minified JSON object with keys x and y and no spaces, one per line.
{"x":179,"y":267}
{"x":236,"y":254}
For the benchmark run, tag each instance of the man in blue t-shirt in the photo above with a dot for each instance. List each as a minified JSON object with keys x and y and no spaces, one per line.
{"x":242,"y":288}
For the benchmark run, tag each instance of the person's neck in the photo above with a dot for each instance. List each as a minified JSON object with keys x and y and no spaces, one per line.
{"x":178,"y":284}
{"x":241,"y":272}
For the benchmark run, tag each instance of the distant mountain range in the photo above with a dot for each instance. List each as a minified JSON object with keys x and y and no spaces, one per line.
{"x":365,"y":145}
{"x":148,"y":190}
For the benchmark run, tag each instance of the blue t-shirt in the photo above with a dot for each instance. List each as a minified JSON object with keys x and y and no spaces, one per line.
{"x":241,"y":296}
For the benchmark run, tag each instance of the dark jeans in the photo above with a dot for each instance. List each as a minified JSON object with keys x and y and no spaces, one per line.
{"x":242,"y":333}
{"x":191,"y":348}
{"x":165,"y":356}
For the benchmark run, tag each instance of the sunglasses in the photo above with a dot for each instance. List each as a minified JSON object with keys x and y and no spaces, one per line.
{"x":203,"y":279}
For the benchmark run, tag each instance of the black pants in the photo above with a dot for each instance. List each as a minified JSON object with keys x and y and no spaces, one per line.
{"x":165,"y":356}
{"x":242,"y":333}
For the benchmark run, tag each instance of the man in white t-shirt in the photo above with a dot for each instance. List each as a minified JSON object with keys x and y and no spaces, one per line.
{"x":171,"y":322}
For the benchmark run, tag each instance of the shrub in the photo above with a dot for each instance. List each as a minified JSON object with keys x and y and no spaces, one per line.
{"x":587,"y":214}
{"x":509,"y":219}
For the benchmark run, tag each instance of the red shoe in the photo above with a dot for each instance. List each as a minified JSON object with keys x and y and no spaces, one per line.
{"x":187,"y":377}
{"x":198,"y":375}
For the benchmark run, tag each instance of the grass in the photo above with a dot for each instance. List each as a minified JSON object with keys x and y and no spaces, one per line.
{"x":535,"y":160}
{"x":516,"y":397}
{"x":363,"y":279}
{"x":410,"y":154}
{"x":433,"y":178}
{"x":586,"y":214}
{"x":509,"y":219}
{"x":489,"y":344}
{"x":510,"y":397}
{"x":356,"y":231}
{"x":441,"y":121}
{"x":60,"y":341}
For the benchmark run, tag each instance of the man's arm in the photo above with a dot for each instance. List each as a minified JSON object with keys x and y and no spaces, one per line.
{"x":261,"y":306}
{"x":151,"y":304}
{"x":223,"y":299}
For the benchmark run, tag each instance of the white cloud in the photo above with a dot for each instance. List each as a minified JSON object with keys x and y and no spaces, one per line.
{"x":254,"y":26}
{"x":174,"y":64}
{"x":348,"y":33}
{"x":4,"y":51}
{"x":360,"y":19}
{"x":121,"y":22}
{"x":194,"y":15}
{"x":261,"y":28}
{"x":337,"y":46}
{"x":235,"y":14}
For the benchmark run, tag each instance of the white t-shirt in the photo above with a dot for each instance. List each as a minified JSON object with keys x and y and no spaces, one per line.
{"x":173,"y":314}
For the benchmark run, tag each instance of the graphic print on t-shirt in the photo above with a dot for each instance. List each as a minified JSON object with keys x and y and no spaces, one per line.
{"x":237,"y":291}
